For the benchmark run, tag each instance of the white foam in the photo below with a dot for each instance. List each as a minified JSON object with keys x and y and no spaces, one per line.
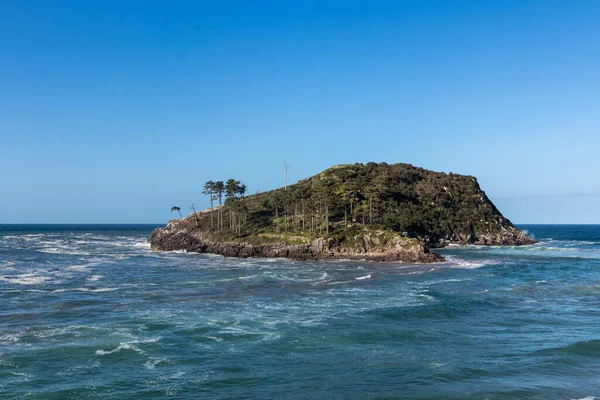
{"x":122,"y":346}
{"x":83,"y":289}
{"x":587,"y":398}
{"x":25,"y":279}
{"x":360,"y":278}
{"x":94,"y":278}
{"x":63,"y":250}
{"x":78,"y":268}
{"x":153,"y":362}
{"x":12,"y":337}
{"x":106,"y":289}
{"x":455,"y":262}
{"x":446,"y":280}
{"x":151,"y":340}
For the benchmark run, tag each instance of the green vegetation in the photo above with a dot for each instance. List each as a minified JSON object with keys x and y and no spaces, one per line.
{"x":346,"y":200}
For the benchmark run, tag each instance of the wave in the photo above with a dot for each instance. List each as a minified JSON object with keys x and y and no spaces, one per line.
{"x":574,"y":250}
{"x":589,"y":348}
{"x":360,"y":278}
{"x":75,"y":244}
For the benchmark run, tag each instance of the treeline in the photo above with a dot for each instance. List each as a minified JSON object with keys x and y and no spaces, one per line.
{"x":399,"y":197}
{"x":325,"y":201}
{"x":235,"y":199}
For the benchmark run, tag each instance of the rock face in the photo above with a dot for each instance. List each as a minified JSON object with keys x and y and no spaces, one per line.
{"x":376,"y":246}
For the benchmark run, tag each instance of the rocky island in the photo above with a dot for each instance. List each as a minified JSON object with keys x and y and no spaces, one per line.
{"x":374,"y":211}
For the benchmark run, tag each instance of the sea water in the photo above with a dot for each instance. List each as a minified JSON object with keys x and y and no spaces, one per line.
{"x":90,"y":312}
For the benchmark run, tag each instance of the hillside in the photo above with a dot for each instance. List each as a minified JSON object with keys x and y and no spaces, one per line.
{"x":345,"y":203}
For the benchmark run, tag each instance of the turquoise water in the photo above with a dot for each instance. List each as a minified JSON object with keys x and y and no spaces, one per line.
{"x":90,"y":312}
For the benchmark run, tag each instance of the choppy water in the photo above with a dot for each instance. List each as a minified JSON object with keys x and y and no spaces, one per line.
{"x":91,"y":312}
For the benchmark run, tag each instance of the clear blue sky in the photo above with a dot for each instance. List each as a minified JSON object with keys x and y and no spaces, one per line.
{"x":113,"y":111}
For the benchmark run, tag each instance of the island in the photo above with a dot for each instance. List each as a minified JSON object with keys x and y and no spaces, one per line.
{"x":374,"y":211}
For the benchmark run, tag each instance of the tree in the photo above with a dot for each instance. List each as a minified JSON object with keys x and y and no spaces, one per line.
{"x":348,"y":193}
{"x":275,"y":204}
{"x":193,"y":208}
{"x":286,"y":167}
{"x":209,"y":189}
{"x":241,"y":190}
{"x":231,"y":188}
{"x":219,"y":190}
{"x":322,"y":188}
{"x":175,"y":208}
{"x":371,"y":193}
{"x":234,"y":193}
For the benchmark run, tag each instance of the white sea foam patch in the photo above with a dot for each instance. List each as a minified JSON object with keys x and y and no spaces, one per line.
{"x":438,"y":281}
{"x":588,"y":398}
{"x":122,"y":346}
{"x":127,"y":346}
{"x":74,"y":330}
{"x":78,"y":268}
{"x":84,"y":289}
{"x":64,"y":250}
{"x":25,"y":279}
{"x":360,"y":278}
{"x":455,"y":262}
{"x":94,"y":278}
{"x":153,"y":362}
{"x":11,"y":338}
{"x":28,"y":237}
{"x":247,"y":277}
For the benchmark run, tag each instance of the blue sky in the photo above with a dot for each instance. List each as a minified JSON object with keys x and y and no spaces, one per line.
{"x":114,"y":111}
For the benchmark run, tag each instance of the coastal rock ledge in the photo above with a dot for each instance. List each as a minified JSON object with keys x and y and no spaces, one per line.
{"x":373,"y":246}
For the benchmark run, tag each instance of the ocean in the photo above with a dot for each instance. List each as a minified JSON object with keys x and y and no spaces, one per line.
{"x":88,"y":311}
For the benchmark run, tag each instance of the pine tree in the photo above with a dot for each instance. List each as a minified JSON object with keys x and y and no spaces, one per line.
{"x":219,"y":190}
{"x":209,"y":189}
